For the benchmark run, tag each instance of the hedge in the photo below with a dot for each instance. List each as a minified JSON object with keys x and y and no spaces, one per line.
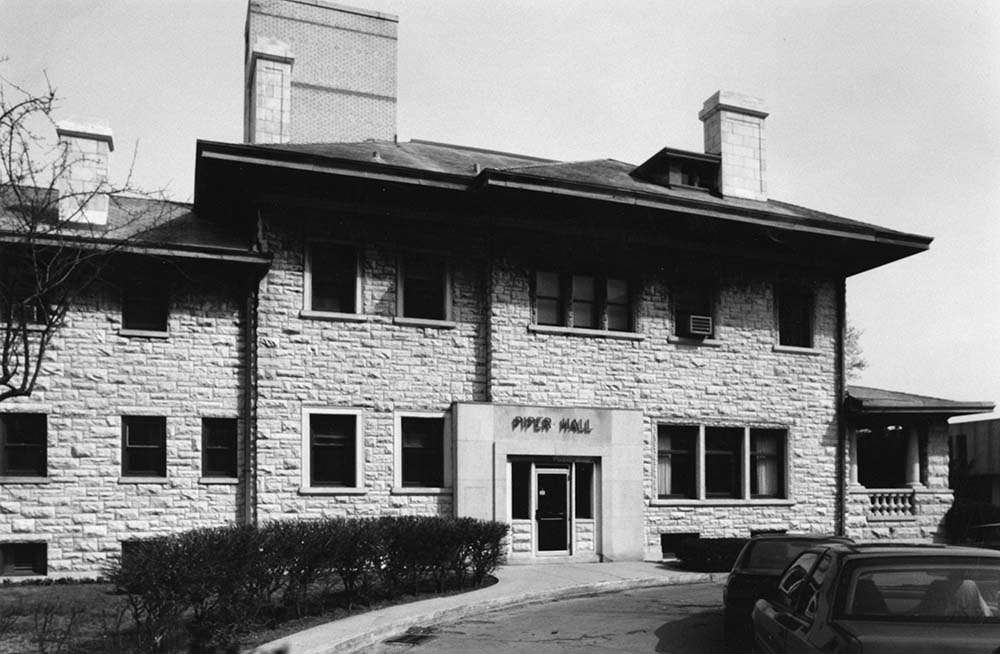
{"x":710,"y":554}
{"x":965,"y":514}
{"x":211,"y":581}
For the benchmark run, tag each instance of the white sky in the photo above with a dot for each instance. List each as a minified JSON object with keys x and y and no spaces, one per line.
{"x":882,"y":111}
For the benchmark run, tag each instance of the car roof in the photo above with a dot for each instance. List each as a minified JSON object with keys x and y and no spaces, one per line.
{"x":817,"y":537}
{"x":874,"y":550}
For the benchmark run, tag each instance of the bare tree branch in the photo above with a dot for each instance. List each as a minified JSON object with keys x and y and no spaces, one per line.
{"x":51,"y":254}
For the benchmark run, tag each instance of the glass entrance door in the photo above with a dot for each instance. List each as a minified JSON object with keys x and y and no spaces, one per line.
{"x":552,"y":510}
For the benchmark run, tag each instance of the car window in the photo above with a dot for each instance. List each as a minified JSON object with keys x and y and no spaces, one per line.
{"x":774,"y":554}
{"x":790,"y":582}
{"x":809,"y":596}
{"x":924,"y":589}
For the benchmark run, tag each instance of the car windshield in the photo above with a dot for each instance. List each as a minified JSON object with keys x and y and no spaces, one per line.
{"x":774,"y":554}
{"x":928,"y":589}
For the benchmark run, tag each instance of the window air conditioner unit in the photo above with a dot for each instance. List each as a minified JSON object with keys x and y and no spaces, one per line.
{"x":700,"y":325}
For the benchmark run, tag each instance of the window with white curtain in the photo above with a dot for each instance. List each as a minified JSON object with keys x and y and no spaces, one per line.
{"x":720,"y":462}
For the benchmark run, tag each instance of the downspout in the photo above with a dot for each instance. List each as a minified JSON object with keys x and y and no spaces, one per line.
{"x":840,"y":527}
{"x":250,"y":401}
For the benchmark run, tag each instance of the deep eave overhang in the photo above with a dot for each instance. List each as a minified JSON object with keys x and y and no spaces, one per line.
{"x":130,"y":246}
{"x":524,"y":181}
{"x":917,"y":406}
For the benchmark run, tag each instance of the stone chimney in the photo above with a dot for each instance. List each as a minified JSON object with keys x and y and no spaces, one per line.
{"x":87,"y":145}
{"x":318,"y":72}
{"x":734,"y":129}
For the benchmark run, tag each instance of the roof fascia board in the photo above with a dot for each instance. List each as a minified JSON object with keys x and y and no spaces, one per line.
{"x":184,"y":252}
{"x":639,"y":200}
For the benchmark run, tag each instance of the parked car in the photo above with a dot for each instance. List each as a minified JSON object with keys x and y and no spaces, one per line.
{"x":987,"y":536}
{"x":756,"y":571}
{"x":883,"y":598}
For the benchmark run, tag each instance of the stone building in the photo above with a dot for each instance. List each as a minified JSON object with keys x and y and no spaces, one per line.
{"x":607,"y":356}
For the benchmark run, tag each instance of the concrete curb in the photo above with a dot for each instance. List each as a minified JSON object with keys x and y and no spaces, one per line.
{"x":431,"y":617}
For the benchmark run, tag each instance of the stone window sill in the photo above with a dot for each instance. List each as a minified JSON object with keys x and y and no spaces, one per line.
{"x":332,"y":316}
{"x":694,"y":342}
{"x":791,"y":349}
{"x":424,"y":322}
{"x":13,"y":479}
{"x":589,"y":333}
{"x":219,"y":481}
{"x":331,"y":490}
{"x":421,"y":490}
{"x":142,"y":333}
{"x":143,"y":480}
{"x":721,"y":502}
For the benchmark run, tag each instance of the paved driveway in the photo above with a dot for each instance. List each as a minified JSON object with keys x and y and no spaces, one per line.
{"x":674,"y":619}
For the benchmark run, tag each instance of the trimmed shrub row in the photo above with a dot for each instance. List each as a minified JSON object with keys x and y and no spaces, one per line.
{"x":710,"y":554}
{"x":212,"y":581}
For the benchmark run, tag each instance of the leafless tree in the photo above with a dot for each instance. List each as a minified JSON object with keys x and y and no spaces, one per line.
{"x":854,"y":360}
{"x":49,"y":252}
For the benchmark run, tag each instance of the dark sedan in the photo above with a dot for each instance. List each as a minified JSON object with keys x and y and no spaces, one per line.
{"x":883,"y":598}
{"x":756,"y":573}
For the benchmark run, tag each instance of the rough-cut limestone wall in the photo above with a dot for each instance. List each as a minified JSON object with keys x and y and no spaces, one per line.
{"x":741,"y":382}
{"x":374,"y":365}
{"x":92,"y":377}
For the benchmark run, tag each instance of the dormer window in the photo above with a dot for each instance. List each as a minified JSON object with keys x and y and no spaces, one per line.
{"x":681,"y":169}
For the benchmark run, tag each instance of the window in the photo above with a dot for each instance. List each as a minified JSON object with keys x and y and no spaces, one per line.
{"x":722,"y":461}
{"x":332,"y":278}
{"x":582,"y":301}
{"x":23,"y":445}
{"x":767,"y":456}
{"x":719,"y":462}
{"x":693,"y":310}
{"x":676,"y":460}
{"x":218,"y":447}
{"x":23,"y":559}
{"x":583,"y":485}
{"x":144,"y":446}
{"x":145,"y":307}
{"x":795,"y":316}
{"x":423,"y":451}
{"x":520,"y":490}
{"x":424,"y":287}
{"x":333,"y":450}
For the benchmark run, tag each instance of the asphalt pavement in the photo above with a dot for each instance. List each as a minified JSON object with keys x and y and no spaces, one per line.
{"x":516,"y":585}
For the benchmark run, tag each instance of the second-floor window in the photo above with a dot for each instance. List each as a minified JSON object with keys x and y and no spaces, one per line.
{"x":23,"y":445}
{"x":424,"y":286}
{"x":582,"y":301}
{"x":332,"y":278}
{"x":145,"y":306}
{"x":795,"y":317}
{"x":694,"y":310}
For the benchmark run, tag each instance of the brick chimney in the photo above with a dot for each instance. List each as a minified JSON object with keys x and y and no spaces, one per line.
{"x":734,"y":128}
{"x":87,"y":145}
{"x":318,"y":72}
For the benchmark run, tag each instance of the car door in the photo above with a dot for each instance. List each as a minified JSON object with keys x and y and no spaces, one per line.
{"x":771,"y":630}
{"x":806,"y":609}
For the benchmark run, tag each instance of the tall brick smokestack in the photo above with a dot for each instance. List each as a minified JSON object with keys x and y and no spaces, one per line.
{"x":318,"y":72}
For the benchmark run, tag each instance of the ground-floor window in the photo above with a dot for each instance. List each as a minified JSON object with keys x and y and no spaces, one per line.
{"x":332,"y":449}
{"x":23,"y":559}
{"x":423,"y":459}
{"x":720,"y":462}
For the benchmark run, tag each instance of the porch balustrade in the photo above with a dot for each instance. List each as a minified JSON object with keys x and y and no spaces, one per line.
{"x":891,"y":504}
